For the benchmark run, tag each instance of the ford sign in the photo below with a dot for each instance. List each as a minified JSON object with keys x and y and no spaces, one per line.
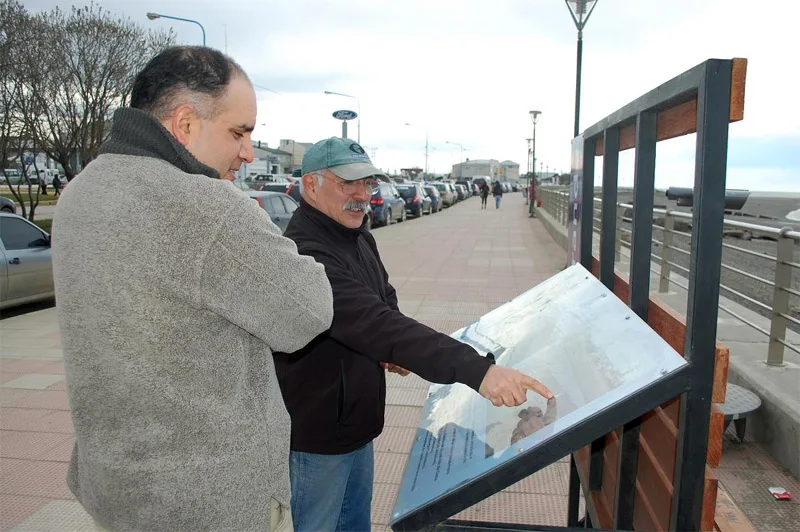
{"x":344,"y":115}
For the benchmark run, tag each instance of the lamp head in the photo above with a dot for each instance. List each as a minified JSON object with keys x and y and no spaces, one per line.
{"x":534,"y":115}
{"x":153,"y":16}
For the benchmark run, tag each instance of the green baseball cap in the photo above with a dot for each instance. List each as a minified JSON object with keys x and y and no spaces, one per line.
{"x":344,"y":157}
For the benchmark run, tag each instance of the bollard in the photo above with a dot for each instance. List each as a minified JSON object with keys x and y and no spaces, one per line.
{"x":666,"y":252}
{"x":780,"y":298}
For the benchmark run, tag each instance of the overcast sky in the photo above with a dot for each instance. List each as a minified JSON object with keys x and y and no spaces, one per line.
{"x":468,"y":71}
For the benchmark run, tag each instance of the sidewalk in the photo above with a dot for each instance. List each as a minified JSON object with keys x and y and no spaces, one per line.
{"x":448,"y":268}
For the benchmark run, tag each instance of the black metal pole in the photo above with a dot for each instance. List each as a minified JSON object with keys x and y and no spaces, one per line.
{"x":573,"y":502}
{"x":578,"y":85}
{"x":711,"y":156}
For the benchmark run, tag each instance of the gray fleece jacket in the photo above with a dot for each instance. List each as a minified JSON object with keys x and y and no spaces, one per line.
{"x":173,"y":289}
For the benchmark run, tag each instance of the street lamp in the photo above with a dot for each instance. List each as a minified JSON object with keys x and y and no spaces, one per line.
{"x":153,"y":16}
{"x":580,"y":10}
{"x":358,"y":103}
{"x":425,"y":178}
{"x":532,"y":182}
{"x":461,"y":153}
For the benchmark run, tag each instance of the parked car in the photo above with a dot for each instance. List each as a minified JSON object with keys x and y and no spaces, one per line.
{"x":292,"y":188}
{"x":387,"y":205}
{"x":462,"y":193}
{"x":280,"y":207}
{"x":445,"y":193}
{"x":26,"y":268}
{"x":417,"y":202}
{"x":7,"y":205}
{"x":436,"y":198}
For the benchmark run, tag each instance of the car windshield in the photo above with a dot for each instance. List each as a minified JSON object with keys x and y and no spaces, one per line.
{"x":441,"y":187}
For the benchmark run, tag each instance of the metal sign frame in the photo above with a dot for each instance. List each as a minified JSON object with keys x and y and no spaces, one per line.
{"x":710,"y":85}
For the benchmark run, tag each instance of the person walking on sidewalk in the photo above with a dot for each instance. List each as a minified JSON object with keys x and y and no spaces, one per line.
{"x":172,"y":299}
{"x":335,"y":388}
{"x":484,"y":195}
{"x":497,"y":192}
{"x":56,"y":185}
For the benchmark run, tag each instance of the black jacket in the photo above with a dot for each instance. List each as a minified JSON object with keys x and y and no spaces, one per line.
{"x":335,"y":388}
{"x":497,"y":190}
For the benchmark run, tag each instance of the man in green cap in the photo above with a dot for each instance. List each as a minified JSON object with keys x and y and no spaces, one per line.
{"x":335,"y":388}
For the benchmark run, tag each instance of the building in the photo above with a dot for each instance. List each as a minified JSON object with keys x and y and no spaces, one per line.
{"x":497,"y":171}
{"x":267,"y":160}
{"x":297,"y":151}
{"x":508,"y":171}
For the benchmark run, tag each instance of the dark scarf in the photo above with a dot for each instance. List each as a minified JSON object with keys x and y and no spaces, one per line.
{"x":136,"y":132}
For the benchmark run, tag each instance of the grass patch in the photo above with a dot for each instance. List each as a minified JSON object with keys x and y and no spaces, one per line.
{"x":44,"y":225}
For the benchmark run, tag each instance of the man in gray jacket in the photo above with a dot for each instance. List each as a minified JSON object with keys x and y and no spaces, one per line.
{"x":173,"y":291}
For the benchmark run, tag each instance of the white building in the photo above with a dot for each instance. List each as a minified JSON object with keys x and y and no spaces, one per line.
{"x":297,"y":151}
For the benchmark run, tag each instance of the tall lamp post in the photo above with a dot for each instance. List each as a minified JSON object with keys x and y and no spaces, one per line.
{"x":580,"y":10}
{"x":358,"y":103}
{"x":426,"y":150}
{"x":461,"y":154}
{"x":153,"y":16}
{"x":532,"y":184}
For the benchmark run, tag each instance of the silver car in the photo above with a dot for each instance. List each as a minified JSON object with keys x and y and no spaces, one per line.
{"x":26,"y":265}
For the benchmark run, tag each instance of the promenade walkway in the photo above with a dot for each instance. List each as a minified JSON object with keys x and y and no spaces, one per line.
{"x":449,"y":269}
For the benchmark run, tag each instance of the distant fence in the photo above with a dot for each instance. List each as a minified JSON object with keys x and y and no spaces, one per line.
{"x":555,"y":201}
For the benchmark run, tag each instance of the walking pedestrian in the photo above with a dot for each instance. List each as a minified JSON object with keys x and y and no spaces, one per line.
{"x":497,"y":192}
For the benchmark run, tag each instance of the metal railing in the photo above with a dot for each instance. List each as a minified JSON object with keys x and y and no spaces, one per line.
{"x":556,"y":203}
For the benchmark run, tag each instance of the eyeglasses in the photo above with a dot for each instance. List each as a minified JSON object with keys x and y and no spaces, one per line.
{"x":353,"y":187}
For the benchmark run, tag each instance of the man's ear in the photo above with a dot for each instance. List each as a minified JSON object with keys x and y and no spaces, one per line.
{"x":310,"y":185}
{"x":184,"y":123}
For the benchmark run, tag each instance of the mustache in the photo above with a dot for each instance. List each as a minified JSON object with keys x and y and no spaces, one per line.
{"x":355,"y":205}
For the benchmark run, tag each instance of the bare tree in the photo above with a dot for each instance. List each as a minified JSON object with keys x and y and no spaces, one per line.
{"x":62,"y":76}
{"x":90,"y":58}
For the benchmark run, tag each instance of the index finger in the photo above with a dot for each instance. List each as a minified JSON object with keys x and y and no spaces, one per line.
{"x":532,"y":384}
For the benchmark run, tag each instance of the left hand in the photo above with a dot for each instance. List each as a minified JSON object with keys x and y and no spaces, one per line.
{"x":394,"y":368}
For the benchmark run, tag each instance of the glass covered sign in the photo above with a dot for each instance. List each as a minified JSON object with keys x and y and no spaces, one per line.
{"x":571,"y":333}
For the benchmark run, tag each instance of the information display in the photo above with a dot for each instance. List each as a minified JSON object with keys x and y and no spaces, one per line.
{"x":571,"y":333}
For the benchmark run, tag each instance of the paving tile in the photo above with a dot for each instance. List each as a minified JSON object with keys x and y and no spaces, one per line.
{"x":46,"y":399}
{"x":521,"y":508}
{"x":51,"y":421}
{"x":383,"y":498}
{"x":60,"y":453}
{"x":777,"y":516}
{"x":411,"y":380}
{"x":396,"y":439}
{"x":19,"y":418}
{"x":406,"y":396}
{"x":15,"y":508}
{"x":746,"y":455}
{"x":6,"y":376}
{"x":20,"y":365}
{"x":402,"y":416}
{"x":9,"y":396}
{"x":552,"y":480}
{"x":751,"y":485}
{"x":64,"y":516}
{"x":34,"y":478}
{"x":33,"y":381}
{"x":28,"y":445}
{"x":389,"y":467}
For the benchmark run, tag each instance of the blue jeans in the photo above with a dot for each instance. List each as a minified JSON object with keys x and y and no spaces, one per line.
{"x":497,"y":201}
{"x":332,"y":492}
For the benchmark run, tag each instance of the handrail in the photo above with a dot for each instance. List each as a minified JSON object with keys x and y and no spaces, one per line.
{"x":556,"y":202}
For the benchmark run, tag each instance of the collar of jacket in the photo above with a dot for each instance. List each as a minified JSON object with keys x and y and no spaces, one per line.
{"x":136,"y":132}
{"x":328,"y":225}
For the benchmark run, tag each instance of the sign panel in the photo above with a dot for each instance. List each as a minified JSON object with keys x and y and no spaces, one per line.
{"x":575,"y":203}
{"x":569,"y":332}
{"x":344,"y":115}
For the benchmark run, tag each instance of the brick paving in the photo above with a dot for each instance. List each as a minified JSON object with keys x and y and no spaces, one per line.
{"x":449,"y":269}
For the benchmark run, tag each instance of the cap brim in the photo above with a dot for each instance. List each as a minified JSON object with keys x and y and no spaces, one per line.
{"x":356,"y":171}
